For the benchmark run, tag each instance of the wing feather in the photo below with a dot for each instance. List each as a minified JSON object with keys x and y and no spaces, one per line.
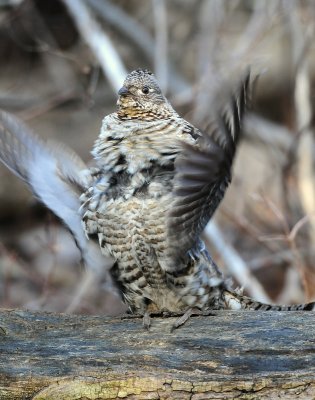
{"x":203,"y":173}
{"x":54,"y":173}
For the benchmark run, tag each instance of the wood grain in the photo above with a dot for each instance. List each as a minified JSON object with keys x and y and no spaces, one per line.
{"x":244,"y":355}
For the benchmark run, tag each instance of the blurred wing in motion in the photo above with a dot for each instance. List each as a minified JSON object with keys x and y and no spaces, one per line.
{"x":203,"y":172}
{"x":55,"y":174}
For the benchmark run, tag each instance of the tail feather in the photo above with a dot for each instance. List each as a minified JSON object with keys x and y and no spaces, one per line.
{"x":235,"y":301}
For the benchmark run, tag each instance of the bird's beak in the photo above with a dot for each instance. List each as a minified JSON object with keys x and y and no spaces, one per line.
{"x":123,"y":91}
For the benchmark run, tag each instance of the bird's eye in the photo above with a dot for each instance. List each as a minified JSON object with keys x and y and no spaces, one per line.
{"x":145,"y":90}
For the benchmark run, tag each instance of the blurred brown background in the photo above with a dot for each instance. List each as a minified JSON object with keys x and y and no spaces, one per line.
{"x":61,"y":63}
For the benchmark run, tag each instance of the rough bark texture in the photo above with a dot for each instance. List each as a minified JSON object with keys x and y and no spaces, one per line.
{"x":245,"y":355}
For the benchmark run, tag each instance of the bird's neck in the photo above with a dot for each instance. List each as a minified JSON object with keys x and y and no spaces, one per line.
{"x":135,"y":111}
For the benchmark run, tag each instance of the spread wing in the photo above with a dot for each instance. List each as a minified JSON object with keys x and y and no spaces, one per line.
{"x":203,"y":173}
{"x":54,"y":173}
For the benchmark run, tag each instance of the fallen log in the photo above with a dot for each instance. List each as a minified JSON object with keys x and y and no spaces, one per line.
{"x":227,"y":355}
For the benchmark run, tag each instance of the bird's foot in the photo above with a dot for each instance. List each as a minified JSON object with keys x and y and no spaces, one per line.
{"x":190,"y":312}
{"x":181,"y":318}
{"x":185,"y":317}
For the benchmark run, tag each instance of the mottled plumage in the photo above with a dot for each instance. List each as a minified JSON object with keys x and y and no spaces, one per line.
{"x":130,"y":206}
{"x":156,"y":183}
{"x":159,"y":181}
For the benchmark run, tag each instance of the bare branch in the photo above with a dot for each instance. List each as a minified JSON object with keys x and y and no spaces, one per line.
{"x":211,"y":17}
{"x":236,"y":265}
{"x":292,"y":292}
{"x":138,"y":35}
{"x":271,"y":260}
{"x":262,"y":19}
{"x":99,"y":42}
{"x":88,"y":281}
{"x":302,"y":37}
{"x":298,"y":226}
{"x":270,"y":133}
{"x":161,"y":45}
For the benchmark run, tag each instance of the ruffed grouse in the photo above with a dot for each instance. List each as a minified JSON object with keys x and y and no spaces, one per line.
{"x":157,"y":182}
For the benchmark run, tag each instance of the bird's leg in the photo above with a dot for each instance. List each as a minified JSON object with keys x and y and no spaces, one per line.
{"x":185,"y":317}
{"x":146,"y":321}
{"x":189,"y":312}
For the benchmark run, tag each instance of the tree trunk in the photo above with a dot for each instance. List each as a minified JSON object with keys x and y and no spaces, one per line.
{"x":244,"y":355}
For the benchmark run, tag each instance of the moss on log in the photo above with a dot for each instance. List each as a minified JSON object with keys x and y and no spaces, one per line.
{"x":244,"y":355}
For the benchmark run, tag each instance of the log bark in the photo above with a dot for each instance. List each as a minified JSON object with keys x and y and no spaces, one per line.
{"x":244,"y":355}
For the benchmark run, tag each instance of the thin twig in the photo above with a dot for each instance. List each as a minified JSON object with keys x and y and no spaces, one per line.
{"x":271,"y":260}
{"x":58,"y":66}
{"x":100,"y":44}
{"x":135,"y":32}
{"x":261,"y":21}
{"x":48,"y":104}
{"x":235,"y":264}
{"x":88,"y":280}
{"x":247,"y":227}
{"x":270,"y":133}
{"x":289,"y":236}
{"x":291,"y":293}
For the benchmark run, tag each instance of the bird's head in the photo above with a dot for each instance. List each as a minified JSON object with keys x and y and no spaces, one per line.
{"x":140,"y":97}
